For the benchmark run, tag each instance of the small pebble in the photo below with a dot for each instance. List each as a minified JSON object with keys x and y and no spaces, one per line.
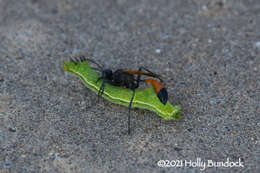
{"x":158,"y":50}
{"x":257,"y":44}
{"x":11,"y":129}
{"x":7,"y":164}
{"x":1,"y":78}
{"x":204,"y":8}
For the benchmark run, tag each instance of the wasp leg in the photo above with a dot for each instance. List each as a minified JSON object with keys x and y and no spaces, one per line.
{"x":129,"y":109}
{"x":155,"y":75}
{"x":101,"y":90}
{"x":101,"y":67}
{"x":99,"y":79}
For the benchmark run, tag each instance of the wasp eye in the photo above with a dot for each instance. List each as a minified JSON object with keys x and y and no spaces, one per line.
{"x":107,"y":74}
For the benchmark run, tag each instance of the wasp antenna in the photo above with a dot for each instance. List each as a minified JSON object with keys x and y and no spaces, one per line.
{"x":82,"y":58}
{"x":101,"y":67}
{"x":78,"y":59}
{"x":73,"y":60}
{"x":97,"y":69}
{"x":160,"y":78}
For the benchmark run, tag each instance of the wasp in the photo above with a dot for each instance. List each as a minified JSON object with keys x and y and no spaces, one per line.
{"x":128,"y":79}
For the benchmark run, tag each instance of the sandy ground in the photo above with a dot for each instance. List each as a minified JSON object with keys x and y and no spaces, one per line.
{"x":207,"y":51}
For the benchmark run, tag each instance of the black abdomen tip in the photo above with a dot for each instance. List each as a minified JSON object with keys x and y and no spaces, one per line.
{"x":163,"y":95}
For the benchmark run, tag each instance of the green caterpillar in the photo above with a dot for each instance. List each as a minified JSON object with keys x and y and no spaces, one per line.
{"x":144,"y":98}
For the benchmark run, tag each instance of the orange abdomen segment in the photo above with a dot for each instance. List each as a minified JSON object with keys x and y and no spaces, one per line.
{"x":156,"y":85}
{"x":159,"y":89}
